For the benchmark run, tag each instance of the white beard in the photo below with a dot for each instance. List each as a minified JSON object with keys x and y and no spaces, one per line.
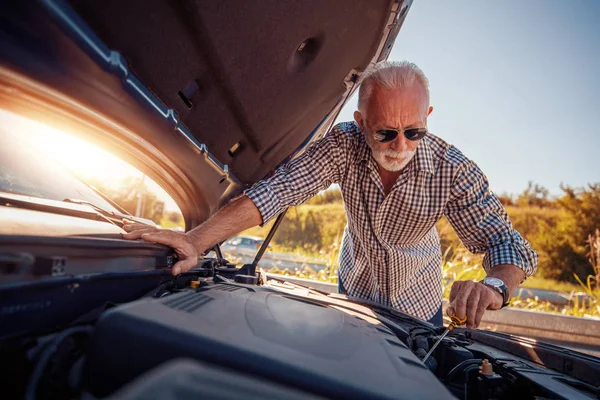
{"x":402,"y":159}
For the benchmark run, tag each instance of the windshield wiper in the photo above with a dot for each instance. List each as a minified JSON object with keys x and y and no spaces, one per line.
{"x":110,"y":216}
{"x":105,"y":197}
{"x":113,"y":217}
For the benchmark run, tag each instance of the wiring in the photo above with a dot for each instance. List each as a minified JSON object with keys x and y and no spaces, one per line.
{"x":46,"y":356}
{"x":459,"y":367}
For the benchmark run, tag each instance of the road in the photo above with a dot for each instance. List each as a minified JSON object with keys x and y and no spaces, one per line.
{"x":277,"y":260}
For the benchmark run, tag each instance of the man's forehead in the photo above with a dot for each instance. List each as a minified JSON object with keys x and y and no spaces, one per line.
{"x":395,"y":106}
{"x":397,"y":112}
{"x":396,"y":117}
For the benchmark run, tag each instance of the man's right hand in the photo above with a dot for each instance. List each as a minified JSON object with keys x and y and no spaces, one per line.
{"x":180,"y":242}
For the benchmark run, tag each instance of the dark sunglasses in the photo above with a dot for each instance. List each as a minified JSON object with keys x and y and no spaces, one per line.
{"x":387,"y":135}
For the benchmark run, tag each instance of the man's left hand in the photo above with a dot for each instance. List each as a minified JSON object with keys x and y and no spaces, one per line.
{"x":471,"y":299}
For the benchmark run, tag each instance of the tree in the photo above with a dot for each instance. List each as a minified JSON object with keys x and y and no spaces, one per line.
{"x":506,"y":199}
{"x":330,"y":196}
{"x":565,"y":247}
{"x":131,"y":193}
{"x":535,"y":195}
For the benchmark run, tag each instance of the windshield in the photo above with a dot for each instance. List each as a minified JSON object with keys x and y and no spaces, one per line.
{"x":27,"y":171}
{"x":58,"y":162}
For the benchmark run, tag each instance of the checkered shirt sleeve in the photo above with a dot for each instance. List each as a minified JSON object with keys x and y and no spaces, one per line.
{"x":322,"y":164}
{"x":483,"y":225}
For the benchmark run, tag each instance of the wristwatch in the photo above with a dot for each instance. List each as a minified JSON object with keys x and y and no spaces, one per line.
{"x":499,"y":286}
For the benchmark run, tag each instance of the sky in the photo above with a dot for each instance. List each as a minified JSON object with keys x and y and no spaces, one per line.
{"x":515,"y":85}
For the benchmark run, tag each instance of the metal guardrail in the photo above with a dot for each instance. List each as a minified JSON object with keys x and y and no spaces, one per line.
{"x":581,"y":334}
{"x":552,"y":296}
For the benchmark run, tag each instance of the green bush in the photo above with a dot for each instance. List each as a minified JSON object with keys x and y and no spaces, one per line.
{"x":560,"y":234}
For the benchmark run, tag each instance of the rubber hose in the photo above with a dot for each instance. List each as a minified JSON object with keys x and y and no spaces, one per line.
{"x":459,"y":367}
{"x":47,"y":354}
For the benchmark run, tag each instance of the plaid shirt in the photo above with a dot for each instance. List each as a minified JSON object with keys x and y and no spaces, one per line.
{"x":391,"y":250}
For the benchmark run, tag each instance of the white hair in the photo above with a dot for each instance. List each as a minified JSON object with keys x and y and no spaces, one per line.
{"x":390,"y":75}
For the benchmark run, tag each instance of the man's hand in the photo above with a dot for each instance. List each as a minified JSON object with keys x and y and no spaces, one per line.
{"x":471,"y":299}
{"x":235,"y":217}
{"x":180,"y":242}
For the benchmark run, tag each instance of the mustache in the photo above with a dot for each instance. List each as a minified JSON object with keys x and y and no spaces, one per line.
{"x":398,"y":154}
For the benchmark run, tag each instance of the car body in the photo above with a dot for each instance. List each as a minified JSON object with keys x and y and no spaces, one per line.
{"x":206,"y":98}
{"x":242,"y":245}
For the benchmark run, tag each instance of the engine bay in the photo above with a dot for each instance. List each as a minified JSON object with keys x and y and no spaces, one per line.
{"x":207,"y":335}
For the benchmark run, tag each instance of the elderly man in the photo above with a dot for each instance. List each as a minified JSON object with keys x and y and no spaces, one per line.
{"x":397,"y":180}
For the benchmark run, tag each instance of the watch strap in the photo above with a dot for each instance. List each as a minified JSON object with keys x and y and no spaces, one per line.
{"x":505,"y":295}
{"x":502,"y":289}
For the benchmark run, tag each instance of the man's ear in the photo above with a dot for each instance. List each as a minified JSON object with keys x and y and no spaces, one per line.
{"x":359,"y":120}
{"x":429,"y":111}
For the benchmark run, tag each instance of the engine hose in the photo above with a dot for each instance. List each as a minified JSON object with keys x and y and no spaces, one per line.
{"x":48,"y":352}
{"x":454,"y":371}
{"x":468,"y":369}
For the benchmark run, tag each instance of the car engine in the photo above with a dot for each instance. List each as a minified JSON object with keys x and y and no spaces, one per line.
{"x":279,"y":338}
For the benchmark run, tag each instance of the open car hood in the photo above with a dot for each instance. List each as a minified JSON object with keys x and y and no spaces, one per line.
{"x":205,"y":97}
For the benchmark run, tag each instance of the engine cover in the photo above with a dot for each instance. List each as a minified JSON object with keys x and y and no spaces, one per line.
{"x":279,"y":337}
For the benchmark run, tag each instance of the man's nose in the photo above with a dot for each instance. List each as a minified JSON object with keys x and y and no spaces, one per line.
{"x":399,"y":143}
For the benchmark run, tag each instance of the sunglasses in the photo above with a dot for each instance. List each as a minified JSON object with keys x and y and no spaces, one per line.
{"x":387,"y":135}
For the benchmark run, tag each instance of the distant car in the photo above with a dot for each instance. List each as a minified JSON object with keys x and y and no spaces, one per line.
{"x":243,"y":245}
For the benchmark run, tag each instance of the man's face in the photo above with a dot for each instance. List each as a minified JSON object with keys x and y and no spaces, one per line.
{"x":394,"y":109}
